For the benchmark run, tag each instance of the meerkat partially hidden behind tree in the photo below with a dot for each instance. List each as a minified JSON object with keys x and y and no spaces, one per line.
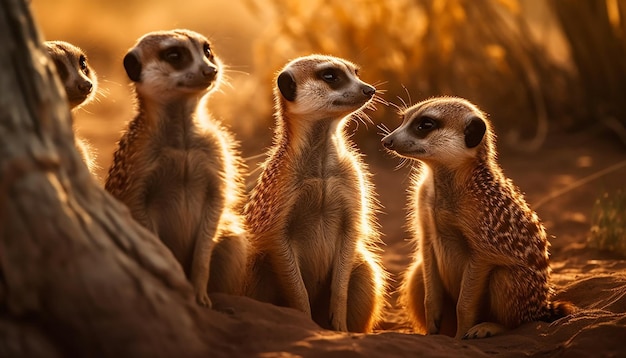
{"x":176,"y":168}
{"x":311,"y":216}
{"x":80,"y":83}
{"x":482,"y":253}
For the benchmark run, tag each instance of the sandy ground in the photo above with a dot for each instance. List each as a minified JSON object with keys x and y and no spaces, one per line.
{"x":594,"y":281}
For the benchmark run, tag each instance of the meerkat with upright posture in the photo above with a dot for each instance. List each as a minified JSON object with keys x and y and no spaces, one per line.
{"x":80,"y":83}
{"x":481,"y":264}
{"x":177,"y":169}
{"x":311,"y":214}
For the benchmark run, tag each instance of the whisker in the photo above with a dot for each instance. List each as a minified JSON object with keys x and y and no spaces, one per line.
{"x":379,"y":83}
{"x":362,"y":118}
{"x":384,"y":130}
{"x":229,"y":70}
{"x":408,"y":94}
{"x":404,"y":104}
{"x":402,"y":164}
{"x":254,"y":157}
{"x":380,"y":100}
{"x":257,"y":169}
{"x":397,"y":107}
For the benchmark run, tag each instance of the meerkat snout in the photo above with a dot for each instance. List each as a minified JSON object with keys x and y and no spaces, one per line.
{"x":387,"y":142}
{"x":369,"y":90}
{"x":85,"y":87}
{"x":209,"y":72}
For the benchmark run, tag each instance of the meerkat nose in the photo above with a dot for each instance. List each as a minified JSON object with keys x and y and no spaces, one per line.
{"x":387,"y":142}
{"x":369,"y":90}
{"x":85,"y":87}
{"x":209,"y":72}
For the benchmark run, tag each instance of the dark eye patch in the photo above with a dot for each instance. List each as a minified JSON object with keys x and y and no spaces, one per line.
{"x":61,"y":70}
{"x":178,"y":57}
{"x":423,"y":125}
{"x":333,"y":76}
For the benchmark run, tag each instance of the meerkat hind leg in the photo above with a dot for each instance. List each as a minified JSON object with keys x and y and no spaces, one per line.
{"x":261,"y":282}
{"x":413,"y":296}
{"x":228,"y":265}
{"x":365,"y":297}
{"x":362,"y":299}
{"x":499,"y":313}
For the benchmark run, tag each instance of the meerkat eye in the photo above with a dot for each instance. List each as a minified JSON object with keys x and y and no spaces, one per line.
{"x":82,"y":62}
{"x":330,"y":75}
{"x":172,"y":55}
{"x":207,"y":51}
{"x":424,"y":125}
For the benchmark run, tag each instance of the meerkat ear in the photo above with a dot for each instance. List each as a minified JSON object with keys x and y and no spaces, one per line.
{"x":132,"y":65}
{"x":474,"y":132}
{"x":287,"y":85}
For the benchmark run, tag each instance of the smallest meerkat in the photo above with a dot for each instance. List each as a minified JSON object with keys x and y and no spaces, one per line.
{"x":482,"y":261}
{"x":80,"y":84}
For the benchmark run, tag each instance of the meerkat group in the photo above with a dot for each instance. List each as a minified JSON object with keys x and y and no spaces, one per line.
{"x":307,"y":237}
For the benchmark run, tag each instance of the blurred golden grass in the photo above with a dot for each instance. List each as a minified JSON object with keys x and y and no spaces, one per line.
{"x":608,"y":223}
{"x":497,"y":53}
{"x":488,"y":52}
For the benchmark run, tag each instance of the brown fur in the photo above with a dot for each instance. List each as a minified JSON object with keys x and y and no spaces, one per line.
{"x":176,"y":168}
{"x":80,"y":83}
{"x":311,"y":218}
{"x":481,"y":264}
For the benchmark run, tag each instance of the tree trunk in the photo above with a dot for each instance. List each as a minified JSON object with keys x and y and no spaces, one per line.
{"x":78,"y":277}
{"x":598,"y":51}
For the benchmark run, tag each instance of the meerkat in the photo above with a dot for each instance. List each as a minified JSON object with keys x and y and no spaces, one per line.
{"x":178,"y":169}
{"x":311,"y":213}
{"x":481,"y":264}
{"x":80,"y":83}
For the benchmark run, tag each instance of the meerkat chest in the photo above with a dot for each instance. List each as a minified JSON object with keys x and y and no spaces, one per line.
{"x":450,"y":246}
{"x":323,"y":213}
{"x":184,"y":178}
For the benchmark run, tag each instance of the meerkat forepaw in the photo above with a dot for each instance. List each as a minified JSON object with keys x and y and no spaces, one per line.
{"x":203,"y":299}
{"x":482,"y":330}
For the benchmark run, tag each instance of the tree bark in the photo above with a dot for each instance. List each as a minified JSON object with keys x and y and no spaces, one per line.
{"x":598,"y":51}
{"x":78,"y":277}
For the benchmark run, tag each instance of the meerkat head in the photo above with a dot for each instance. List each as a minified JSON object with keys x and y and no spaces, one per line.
{"x":319,"y":86}
{"x":78,"y":79}
{"x":172,"y":64}
{"x":446,"y":131}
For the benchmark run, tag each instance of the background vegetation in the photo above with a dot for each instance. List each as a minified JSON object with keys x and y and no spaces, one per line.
{"x":536,"y":67}
{"x":539,"y":68}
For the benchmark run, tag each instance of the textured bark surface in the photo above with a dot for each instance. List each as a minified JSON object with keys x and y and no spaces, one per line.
{"x":598,"y":45}
{"x":77,"y":276}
